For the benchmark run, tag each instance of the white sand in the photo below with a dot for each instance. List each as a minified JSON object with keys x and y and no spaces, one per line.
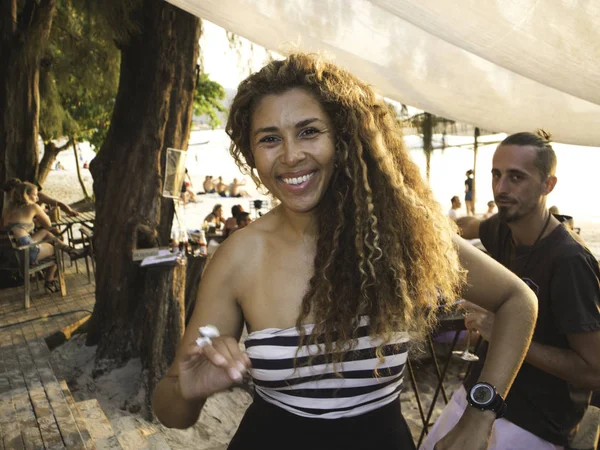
{"x":119,"y":393}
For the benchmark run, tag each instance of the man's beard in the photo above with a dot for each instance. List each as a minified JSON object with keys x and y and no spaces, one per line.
{"x":505,"y":216}
{"x":519,"y":211}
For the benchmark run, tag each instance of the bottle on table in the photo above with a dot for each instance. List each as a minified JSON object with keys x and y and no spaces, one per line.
{"x":202,"y":250}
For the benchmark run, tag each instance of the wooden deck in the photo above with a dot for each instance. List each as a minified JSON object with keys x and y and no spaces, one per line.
{"x":37,"y":410}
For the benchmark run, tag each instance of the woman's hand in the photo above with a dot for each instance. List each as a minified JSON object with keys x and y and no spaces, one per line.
{"x":472,"y":431}
{"x":206,"y":370}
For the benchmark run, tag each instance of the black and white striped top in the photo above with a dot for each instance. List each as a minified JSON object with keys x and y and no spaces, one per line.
{"x":316,"y":391}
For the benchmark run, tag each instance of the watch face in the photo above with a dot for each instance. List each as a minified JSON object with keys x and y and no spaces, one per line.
{"x":482,"y":394}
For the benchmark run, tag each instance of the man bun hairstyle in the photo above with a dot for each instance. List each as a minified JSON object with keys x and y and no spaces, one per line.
{"x":545,"y":159}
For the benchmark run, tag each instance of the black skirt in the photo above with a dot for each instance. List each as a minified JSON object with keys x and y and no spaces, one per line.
{"x":268,"y":427}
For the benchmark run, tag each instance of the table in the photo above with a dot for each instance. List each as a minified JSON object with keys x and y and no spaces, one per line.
{"x":215,"y":237}
{"x":67,"y":222}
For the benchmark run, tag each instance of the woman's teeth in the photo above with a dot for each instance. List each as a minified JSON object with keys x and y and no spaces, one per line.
{"x":298,"y":180}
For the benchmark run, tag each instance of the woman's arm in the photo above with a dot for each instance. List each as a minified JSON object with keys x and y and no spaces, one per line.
{"x":496,"y":289}
{"x":41,"y":218}
{"x":197,"y":373}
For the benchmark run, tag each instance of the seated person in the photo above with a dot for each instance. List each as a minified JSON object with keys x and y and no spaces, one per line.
{"x":490,"y":211}
{"x":243,"y":220}
{"x":221,"y":187}
{"x":234,"y":188}
{"x":18,"y":219}
{"x":231,"y":223}
{"x":209,"y":185}
{"x":11,"y":183}
{"x":186,"y":189}
{"x":453,"y":211}
{"x":215,"y":218}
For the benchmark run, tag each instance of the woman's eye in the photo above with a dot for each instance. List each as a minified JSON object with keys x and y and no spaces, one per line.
{"x":309,"y":132}
{"x":268,"y":139}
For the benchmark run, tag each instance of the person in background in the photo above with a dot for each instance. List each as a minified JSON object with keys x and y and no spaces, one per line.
{"x":231,"y":223}
{"x":453,"y":211}
{"x":552,"y":390}
{"x":221,"y":187}
{"x":567,"y":221}
{"x":11,"y":183}
{"x":208,"y":185}
{"x":243,"y":220}
{"x":469,"y":193}
{"x":335,"y":282}
{"x":234,"y":188}
{"x":187,"y":193}
{"x":19,"y":219}
{"x":215,"y":218}
{"x":491,"y":209}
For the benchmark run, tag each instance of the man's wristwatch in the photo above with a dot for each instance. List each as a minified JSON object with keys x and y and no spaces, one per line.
{"x":483,"y":396}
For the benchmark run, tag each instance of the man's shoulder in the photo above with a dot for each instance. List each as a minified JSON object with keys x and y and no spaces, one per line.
{"x":566,"y":246}
{"x":491,"y":230}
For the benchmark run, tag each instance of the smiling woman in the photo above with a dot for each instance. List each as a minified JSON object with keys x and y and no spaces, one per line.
{"x":293,"y":148}
{"x":335,"y":282}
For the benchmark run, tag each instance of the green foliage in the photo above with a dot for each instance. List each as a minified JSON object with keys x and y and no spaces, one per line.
{"x":79,"y":76}
{"x":207,"y":98}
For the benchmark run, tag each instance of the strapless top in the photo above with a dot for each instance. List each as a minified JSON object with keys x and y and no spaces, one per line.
{"x":283,"y":376}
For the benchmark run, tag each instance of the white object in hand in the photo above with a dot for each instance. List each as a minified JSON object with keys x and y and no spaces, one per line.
{"x":207,"y":332}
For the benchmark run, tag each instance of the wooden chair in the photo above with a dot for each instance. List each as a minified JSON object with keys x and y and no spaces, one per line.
{"x":9,"y":265}
{"x":87,"y":238}
{"x":27,"y":270}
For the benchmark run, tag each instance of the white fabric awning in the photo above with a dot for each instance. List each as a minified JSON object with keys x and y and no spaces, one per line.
{"x":504,"y":65}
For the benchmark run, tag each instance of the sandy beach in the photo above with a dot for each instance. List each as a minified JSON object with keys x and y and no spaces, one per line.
{"x":119,"y":395}
{"x":119,"y":392}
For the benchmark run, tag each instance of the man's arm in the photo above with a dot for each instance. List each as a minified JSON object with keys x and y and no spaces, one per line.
{"x":579,"y":365}
{"x":53,"y":202}
{"x":468,"y":226}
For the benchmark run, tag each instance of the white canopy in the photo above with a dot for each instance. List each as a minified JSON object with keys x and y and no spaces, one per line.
{"x":504,"y":65}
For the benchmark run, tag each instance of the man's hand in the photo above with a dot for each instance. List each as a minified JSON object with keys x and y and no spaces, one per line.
{"x":468,"y":226}
{"x":71,"y":212}
{"x":478,"y":319}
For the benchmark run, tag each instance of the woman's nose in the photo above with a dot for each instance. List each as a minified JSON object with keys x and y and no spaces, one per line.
{"x":292,"y":153}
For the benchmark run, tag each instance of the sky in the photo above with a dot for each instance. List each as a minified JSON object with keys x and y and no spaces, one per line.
{"x":225,"y":65}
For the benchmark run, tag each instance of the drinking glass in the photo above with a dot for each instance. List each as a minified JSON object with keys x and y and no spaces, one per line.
{"x":466,"y":354}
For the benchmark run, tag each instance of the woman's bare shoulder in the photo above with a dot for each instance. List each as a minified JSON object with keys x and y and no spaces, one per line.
{"x":249,"y":241}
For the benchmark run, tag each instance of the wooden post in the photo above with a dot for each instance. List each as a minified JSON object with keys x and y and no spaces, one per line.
{"x":475,"y":145}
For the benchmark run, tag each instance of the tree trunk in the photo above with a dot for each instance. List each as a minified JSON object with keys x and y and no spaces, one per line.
{"x":83,"y":188}
{"x":51,"y":151}
{"x":163,"y":323}
{"x":153,"y":111}
{"x":23,"y":35}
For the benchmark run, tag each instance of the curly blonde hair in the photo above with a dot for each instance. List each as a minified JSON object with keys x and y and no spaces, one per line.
{"x":385,"y":249}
